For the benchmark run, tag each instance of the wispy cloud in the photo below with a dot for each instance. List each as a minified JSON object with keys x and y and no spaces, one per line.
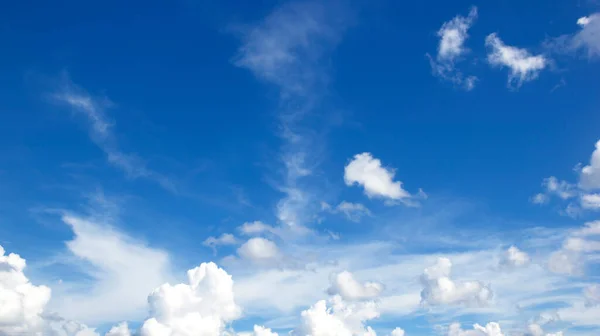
{"x":451,"y":50}
{"x":101,"y":131}
{"x":287,"y":49}
{"x":523,"y":66}
{"x":585,"y":40}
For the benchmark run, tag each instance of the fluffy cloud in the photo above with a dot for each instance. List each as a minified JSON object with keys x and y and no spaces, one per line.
{"x":592,"y":295}
{"x":587,"y":38}
{"x":490,"y":329}
{"x":338,"y":319}
{"x":589,"y":177}
{"x":23,"y":308}
{"x":119,"y":330}
{"x":259,"y":250}
{"x":349,"y":288}
{"x":439,"y":289}
{"x":377,"y":181}
{"x":397,"y":332}
{"x":513,"y":257}
{"x":453,"y":35}
{"x":200,"y":308}
{"x":576,"y":248}
{"x":522,"y":65}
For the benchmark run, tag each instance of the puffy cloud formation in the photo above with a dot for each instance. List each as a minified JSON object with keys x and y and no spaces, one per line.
{"x":201,"y":307}
{"x":340,"y":319}
{"x":349,"y":288}
{"x":490,"y":329}
{"x":439,"y":289}
{"x":259,"y":250}
{"x":258,"y":331}
{"x":352,"y":211}
{"x":397,"y":332}
{"x":535,"y":329}
{"x":119,"y":330}
{"x":513,"y":257}
{"x":453,"y":35}
{"x":589,"y":177}
{"x":590,"y":201}
{"x":23,"y":305}
{"x":377,"y":181}
{"x":522,"y":65}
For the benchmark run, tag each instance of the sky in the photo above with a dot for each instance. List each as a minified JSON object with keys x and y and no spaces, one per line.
{"x":322,"y":168}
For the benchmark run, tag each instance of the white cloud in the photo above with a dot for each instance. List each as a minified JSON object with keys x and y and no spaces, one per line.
{"x":259,"y":331}
{"x":255,"y":228}
{"x":540,"y":198}
{"x":340,"y":319}
{"x":590,"y":201}
{"x":353,"y":211}
{"x":589,"y":177}
{"x":121,"y":272}
{"x":522,"y":65}
{"x":490,"y":329}
{"x":224,"y":239}
{"x":377,"y":181}
{"x":200,"y":308}
{"x":588,"y":37}
{"x":565,"y":262}
{"x":513,"y":257}
{"x":397,"y":332}
{"x":576,"y":249}
{"x":101,"y":134}
{"x":453,"y":35}
{"x":439,"y":289}
{"x":260,"y":250}
{"x":23,"y":305}
{"x":349,"y":288}
{"x":121,"y":329}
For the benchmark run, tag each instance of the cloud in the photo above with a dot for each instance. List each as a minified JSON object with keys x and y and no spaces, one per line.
{"x":339,"y":319}
{"x":100,"y":129}
{"x":23,"y":305}
{"x":513,"y":257}
{"x":377,"y":181}
{"x":203,"y":306}
{"x":255,"y":228}
{"x":397,"y":332}
{"x":592,"y":295}
{"x":577,"y":247}
{"x":120,"y":270}
{"x":260,"y":250}
{"x":589,"y":177}
{"x":453,"y":35}
{"x":590,"y":201}
{"x":349,"y":288}
{"x":586,"y":39}
{"x":224,"y":239}
{"x":439,"y":289}
{"x":122,"y":329}
{"x":523,"y":66}
{"x":289,"y":50}
{"x":353,"y":211}
{"x":490,"y":329}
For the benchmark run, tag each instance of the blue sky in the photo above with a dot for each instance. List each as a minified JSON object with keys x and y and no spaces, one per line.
{"x":414,"y":165}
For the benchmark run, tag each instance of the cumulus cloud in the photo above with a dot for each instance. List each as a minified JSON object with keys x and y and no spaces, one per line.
{"x":23,"y":305}
{"x":439,"y":289}
{"x":260,"y":250}
{"x":100,"y":130}
{"x":121,"y":329}
{"x":335,"y":317}
{"x":589,"y":177}
{"x":522,"y":65}
{"x":513,"y":257}
{"x":451,"y":48}
{"x":203,"y":306}
{"x":490,"y":329}
{"x":349,"y":288}
{"x":577,"y":247}
{"x":397,"y":332}
{"x":377,"y":181}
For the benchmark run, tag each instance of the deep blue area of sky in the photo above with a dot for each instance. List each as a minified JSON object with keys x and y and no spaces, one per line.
{"x":182,"y":105}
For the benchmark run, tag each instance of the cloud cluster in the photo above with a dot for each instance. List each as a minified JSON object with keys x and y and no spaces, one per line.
{"x":440,"y":289}
{"x":578,"y":246}
{"x":490,"y":329}
{"x":513,"y":257}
